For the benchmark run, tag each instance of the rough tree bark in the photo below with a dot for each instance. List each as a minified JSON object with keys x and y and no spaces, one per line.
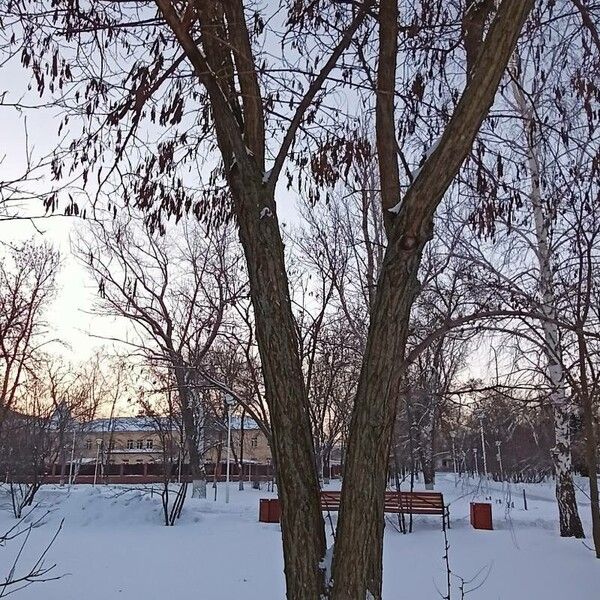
{"x":297,"y":481}
{"x":225,"y":41}
{"x":357,"y":562}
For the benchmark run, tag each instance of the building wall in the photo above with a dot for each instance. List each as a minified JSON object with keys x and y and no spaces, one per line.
{"x":256,"y":446}
{"x":125,"y":446}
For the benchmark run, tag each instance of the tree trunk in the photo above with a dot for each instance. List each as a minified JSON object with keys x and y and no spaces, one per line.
{"x":428,"y":463}
{"x":191,"y":428}
{"x":302,"y":524}
{"x":357,"y":561}
{"x":359,"y":544}
{"x":63,"y":462}
{"x":591,"y":443}
{"x":327,"y":465}
{"x":358,"y":553}
{"x":570,"y":523}
{"x":426,"y":435}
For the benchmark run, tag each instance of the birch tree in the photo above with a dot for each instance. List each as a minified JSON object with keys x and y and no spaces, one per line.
{"x":570,"y":523}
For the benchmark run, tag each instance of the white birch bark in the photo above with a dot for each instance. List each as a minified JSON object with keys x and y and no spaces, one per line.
{"x":570,"y":523}
{"x":198,"y":484}
{"x":199,"y":488}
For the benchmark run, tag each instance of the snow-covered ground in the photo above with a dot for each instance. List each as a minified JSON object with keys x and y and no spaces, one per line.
{"x":113,"y":545}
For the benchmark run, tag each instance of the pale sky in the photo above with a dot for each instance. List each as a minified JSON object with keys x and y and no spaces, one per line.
{"x":36,"y":130}
{"x":69,"y":317}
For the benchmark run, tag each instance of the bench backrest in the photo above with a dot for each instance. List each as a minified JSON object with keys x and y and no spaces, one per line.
{"x":395,"y":501}
{"x":331,"y":500}
{"x":421,"y":499}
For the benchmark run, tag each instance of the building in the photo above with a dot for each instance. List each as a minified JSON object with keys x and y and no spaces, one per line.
{"x":125,"y":441}
{"x":142,"y":446}
{"x":255,"y":447}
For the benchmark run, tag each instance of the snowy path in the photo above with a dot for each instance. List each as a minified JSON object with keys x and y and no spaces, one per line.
{"x":115,"y":547}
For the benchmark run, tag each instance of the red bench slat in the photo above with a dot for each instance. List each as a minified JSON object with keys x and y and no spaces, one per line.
{"x":419,"y":503}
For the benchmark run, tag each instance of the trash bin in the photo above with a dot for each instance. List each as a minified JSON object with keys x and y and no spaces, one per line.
{"x":274,"y":510}
{"x":481,"y":515}
{"x":263,"y":510}
{"x":269,"y":510}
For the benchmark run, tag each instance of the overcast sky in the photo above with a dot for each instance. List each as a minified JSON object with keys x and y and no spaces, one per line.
{"x":70,"y":316}
{"x":35,"y":130}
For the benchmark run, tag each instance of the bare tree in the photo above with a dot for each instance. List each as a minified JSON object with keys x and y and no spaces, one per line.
{"x":40,"y":570}
{"x":160,"y":405}
{"x":226,"y":77}
{"x":580,"y":278}
{"x":27,"y":285}
{"x":175,"y":319}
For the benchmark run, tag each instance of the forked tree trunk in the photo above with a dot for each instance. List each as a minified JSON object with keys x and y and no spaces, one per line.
{"x":357,"y":562}
{"x":357,"y":557}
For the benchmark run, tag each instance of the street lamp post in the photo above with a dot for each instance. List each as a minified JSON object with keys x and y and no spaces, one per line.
{"x":98,"y":444}
{"x":485,"y":469}
{"x":476,"y":463}
{"x":499,"y":458}
{"x":452,"y":436}
{"x":228,"y":402}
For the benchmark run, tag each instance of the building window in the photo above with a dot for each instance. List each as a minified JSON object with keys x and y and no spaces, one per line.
{"x":129,"y":444}
{"x":254,"y":442}
{"x":88,"y":444}
{"x":149,"y":444}
{"x":139,"y":444}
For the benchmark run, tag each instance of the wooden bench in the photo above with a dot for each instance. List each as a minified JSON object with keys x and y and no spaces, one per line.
{"x":415,"y":503}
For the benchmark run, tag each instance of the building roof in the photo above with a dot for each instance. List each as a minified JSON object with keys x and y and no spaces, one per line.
{"x":122,"y":424}
{"x":109,"y":425}
{"x":125,"y":424}
{"x":236,"y":423}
